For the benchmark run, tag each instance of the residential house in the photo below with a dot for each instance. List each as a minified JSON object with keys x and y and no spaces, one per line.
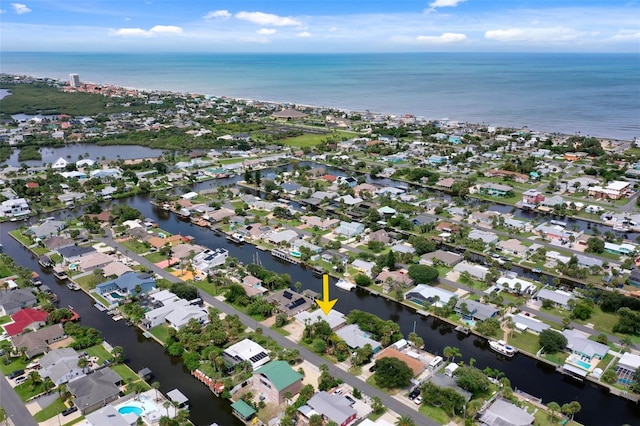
{"x":532,"y":197}
{"x":495,"y":189}
{"x":446,"y":183}
{"x":424,"y":294}
{"x":95,"y":390}
{"x":61,"y":365}
{"x":477,"y":272}
{"x":416,"y":365}
{"x":449,"y":382}
{"x":209,"y":259}
{"x":14,"y":208}
{"x":14,"y":300}
{"x":380,"y":236}
{"x":332,"y":408}
{"x":282,"y":237}
{"x":555,"y":232}
{"x":46,"y":229}
{"x":126,"y":284}
{"x":516,"y":285}
{"x":449,"y":227}
{"x":475,"y":310}
{"x":350,"y":229}
{"x":634,"y":277}
{"x":59,"y":164}
{"x":71,"y":254}
{"x":624,"y":249}
{"x":322,"y":224}
{"x":386,"y":277}
{"x":627,"y":367}
{"x":403,"y":248}
{"x":579,"y":344}
{"x":335,"y":319}
{"x":57,"y":242}
{"x":364,"y":267}
{"x":615,"y":190}
{"x":94,"y":260}
{"x":289,"y":301}
{"x":182,"y":314}
{"x":446,"y":258}
{"x":514,"y":247}
{"x":527,"y":323}
{"x":107,"y":416}
{"x":550,"y":202}
{"x":485,"y":236}
{"x":275,"y":379}
{"x":518,"y":177}
{"x":503,"y":412}
{"x":26,"y":319}
{"x":246,"y":351}
{"x":356,"y":338}
{"x":37,"y":342}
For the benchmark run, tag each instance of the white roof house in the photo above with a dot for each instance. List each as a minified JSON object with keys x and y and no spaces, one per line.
{"x":334,"y":318}
{"x":356,"y":338}
{"x":60,"y":163}
{"x":181,"y":315}
{"x":476,"y":271}
{"x":510,"y":284}
{"x":247,"y":350}
{"x":558,"y":297}
{"x":629,"y":362}
{"x":426,"y":294}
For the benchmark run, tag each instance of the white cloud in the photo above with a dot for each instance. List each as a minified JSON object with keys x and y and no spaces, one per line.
{"x":139,"y":32}
{"x":217,"y":14}
{"x":443,"y":3}
{"x":536,"y":35}
{"x":444,"y":38}
{"x":166,"y":29}
{"x":266,"y":31}
{"x":261,"y":18}
{"x":20,"y":8}
{"x":127,"y":19}
{"x":625,"y":35}
{"x":304,"y":34}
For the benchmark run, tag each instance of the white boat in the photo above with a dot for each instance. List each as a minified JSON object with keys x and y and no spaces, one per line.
{"x":73,"y":286}
{"x":503,"y":348}
{"x":345,"y":285}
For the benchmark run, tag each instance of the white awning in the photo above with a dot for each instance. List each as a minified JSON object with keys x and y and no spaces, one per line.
{"x":575,"y":370}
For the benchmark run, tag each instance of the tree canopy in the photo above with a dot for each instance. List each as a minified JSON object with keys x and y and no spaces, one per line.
{"x":552,"y":341}
{"x":423,"y":274}
{"x":392,"y":373}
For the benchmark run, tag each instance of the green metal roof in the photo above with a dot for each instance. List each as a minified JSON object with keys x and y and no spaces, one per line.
{"x":244,"y":409}
{"x":279,"y":373}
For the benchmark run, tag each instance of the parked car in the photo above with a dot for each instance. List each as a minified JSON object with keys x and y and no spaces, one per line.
{"x":418,"y":400}
{"x":69,"y":410}
{"x":372,"y":368}
{"x":414,"y":393}
{"x":15,"y":374}
{"x":20,"y":380}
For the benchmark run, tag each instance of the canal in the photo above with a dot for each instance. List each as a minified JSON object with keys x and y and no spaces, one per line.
{"x":140,"y":352}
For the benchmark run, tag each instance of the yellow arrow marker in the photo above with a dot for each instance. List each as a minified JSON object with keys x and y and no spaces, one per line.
{"x":325,"y":304}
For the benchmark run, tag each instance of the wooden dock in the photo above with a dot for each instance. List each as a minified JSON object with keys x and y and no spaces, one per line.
{"x":281,"y":254}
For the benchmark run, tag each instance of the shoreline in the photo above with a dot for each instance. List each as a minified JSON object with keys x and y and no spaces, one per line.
{"x":313,"y":105}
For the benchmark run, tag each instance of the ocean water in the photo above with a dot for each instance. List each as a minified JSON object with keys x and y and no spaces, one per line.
{"x":590,"y":94}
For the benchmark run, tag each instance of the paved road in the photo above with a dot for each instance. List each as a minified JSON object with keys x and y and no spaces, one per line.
{"x":13,"y":405}
{"x":388,"y":401}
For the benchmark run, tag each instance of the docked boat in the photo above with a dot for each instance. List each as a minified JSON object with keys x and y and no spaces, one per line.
{"x":317,"y":271}
{"x":236,"y":237}
{"x":35,"y":279}
{"x":503,"y":348}
{"x":45,"y":261}
{"x":345,"y":285}
{"x":59,"y":273}
{"x":73,"y":286}
{"x":463,"y":330}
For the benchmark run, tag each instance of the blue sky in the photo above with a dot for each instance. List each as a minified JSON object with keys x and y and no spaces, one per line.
{"x":321,"y":25}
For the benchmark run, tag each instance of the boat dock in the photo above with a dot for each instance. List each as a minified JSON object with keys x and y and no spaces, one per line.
{"x":178,"y":398}
{"x":463,"y":330}
{"x":345,"y":285}
{"x":281,"y":254}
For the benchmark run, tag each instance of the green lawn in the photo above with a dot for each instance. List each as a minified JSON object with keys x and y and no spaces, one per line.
{"x":89,"y":282}
{"x":25,"y":391}
{"x":5,"y":319}
{"x":155,"y":257}
{"x":4,"y":272}
{"x":371,"y":380}
{"x":208,"y":287}
{"x":230,"y":160}
{"x":557,"y":358}
{"x":528,"y":342}
{"x":40,"y":250}
{"x":310,"y":140}
{"x":16,"y":364}
{"x":17,"y":234}
{"x":54,"y":409}
{"x":99,"y":351}
{"x":161,"y":332}
{"x":135,"y":246}
{"x":602,"y":321}
{"x":74,"y":421}
{"x":435,"y":413}
{"x":125,"y":372}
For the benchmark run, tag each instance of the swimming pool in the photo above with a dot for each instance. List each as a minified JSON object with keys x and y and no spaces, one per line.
{"x":115,"y":295}
{"x":582,"y":364}
{"x":128,"y":409}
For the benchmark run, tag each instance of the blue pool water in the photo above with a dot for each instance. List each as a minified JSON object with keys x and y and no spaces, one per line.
{"x":130,"y":409}
{"x":582,"y":364}
{"x":116,"y":296}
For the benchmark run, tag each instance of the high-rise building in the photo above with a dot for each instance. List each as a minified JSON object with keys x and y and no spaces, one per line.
{"x":74,"y":80}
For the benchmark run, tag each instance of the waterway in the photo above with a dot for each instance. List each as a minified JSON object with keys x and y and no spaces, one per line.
{"x":532,"y":376}
{"x":75,"y":152}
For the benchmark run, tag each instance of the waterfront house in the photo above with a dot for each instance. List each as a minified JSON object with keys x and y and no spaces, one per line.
{"x":426,"y":295}
{"x":46,"y":229}
{"x":485,"y":236}
{"x":37,"y":342}
{"x":446,"y":183}
{"x":59,"y":164}
{"x":414,"y":363}
{"x":275,"y":379}
{"x":95,"y":390}
{"x":448,"y":382}
{"x":331,"y":408}
{"x":516,"y":285}
{"x":209,"y":259}
{"x":579,"y":344}
{"x":495,"y":189}
{"x":364,"y":267}
{"x":624,"y":249}
{"x":627,"y":367}
{"x":126,"y":284}
{"x":71,"y":254}
{"x":61,"y":365}
{"x":94,"y":260}
{"x":289,"y":301}
{"x":243,"y":411}
{"x":248,"y":351}
{"x":503,"y":412}
{"x":356,"y":338}
{"x":513,"y":247}
{"x":14,"y":208}
{"x":282,"y":237}
{"x":14,"y":300}
{"x":182,"y":314}
{"x":532,"y":197}
{"x":322,"y":224}
{"x":527,"y":323}
{"x":386,"y":277}
{"x":25,"y":320}
{"x":518,"y":177}
{"x":472,"y":310}
{"x":614,"y":190}
{"x":335,"y":319}
{"x":349,"y":200}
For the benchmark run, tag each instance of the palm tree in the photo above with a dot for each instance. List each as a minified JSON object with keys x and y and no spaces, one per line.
{"x":554,"y":408}
{"x":405,"y":420}
{"x":451,"y":352}
{"x":83,"y":363}
{"x":156,"y":386}
{"x":34,"y":379}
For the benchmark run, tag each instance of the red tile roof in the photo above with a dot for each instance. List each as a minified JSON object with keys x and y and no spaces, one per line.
{"x":23,"y":319}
